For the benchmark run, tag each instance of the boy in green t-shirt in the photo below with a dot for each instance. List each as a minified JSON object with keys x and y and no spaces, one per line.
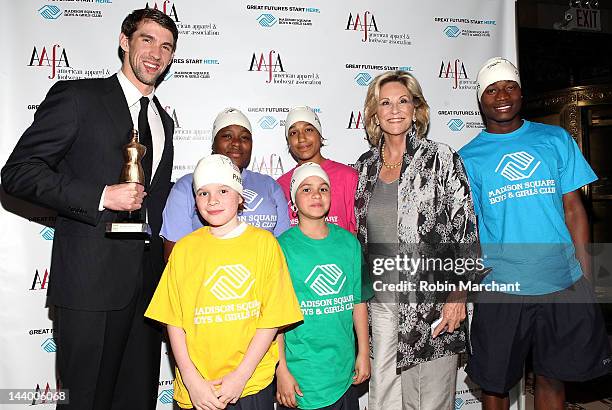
{"x":223,"y":295}
{"x":317,"y":366}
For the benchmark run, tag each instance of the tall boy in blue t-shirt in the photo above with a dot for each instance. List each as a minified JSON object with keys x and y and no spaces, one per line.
{"x":525,"y":179}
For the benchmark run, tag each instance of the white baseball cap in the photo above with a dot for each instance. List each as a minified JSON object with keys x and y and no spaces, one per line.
{"x":217,"y":169}
{"x":230,"y":116}
{"x":305,"y":114}
{"x":307,"y":169}
{"x":494,"y":70}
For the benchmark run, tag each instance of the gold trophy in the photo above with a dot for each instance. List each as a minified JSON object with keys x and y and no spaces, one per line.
{"x":132,"y":222}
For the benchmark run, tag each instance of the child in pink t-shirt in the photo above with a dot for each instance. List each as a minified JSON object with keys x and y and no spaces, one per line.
{"x":303,"y":133}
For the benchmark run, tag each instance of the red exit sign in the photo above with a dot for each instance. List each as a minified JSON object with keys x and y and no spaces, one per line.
{"x":584,"y":19}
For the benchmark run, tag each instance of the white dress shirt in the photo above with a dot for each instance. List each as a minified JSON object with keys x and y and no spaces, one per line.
{"x":132,"y":97}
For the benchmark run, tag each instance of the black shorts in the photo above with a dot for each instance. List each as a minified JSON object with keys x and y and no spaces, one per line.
{"x":564,"y":331}
{"x":262,"y":400}
{"x":348,"y":401}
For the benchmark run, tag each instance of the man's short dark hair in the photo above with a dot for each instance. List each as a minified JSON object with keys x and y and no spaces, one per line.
{"x":131,"y":22}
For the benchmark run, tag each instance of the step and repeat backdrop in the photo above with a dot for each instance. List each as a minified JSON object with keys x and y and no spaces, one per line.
{"x":262,"y":57}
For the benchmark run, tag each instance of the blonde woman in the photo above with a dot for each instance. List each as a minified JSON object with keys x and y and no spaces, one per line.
{"x":412,"y":196}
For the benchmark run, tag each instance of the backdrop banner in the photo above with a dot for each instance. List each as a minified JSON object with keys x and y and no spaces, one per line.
{"x":262,"y":57}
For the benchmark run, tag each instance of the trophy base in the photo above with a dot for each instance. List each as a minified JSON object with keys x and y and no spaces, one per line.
{"x":128,"y":228}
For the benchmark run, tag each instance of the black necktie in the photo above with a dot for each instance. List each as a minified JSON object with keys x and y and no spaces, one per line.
{"x":144,"y":136}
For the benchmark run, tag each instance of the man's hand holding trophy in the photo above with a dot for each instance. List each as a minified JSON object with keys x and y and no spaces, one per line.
{"x":132,"y":221}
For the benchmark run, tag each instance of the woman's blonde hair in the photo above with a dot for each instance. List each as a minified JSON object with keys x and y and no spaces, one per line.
{"x":421,"y":108}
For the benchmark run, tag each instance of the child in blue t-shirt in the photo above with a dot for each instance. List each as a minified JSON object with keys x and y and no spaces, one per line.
{"x":317,"y":365}
{"x":525,"y":179}
{"x":264,"y":202}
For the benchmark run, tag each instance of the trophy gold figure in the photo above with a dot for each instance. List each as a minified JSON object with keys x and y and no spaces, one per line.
{"x":132,"y":222}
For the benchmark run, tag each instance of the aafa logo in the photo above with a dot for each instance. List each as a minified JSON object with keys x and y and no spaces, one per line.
{"x":455,"y":124}
{"x":452,"y":31}
{"x":293,"y":208}
{"x":453,"y":69}
{"x":40,"y":395}
{"x":271,"y":65}
{"x":58,"y":58}
{"x":250,"y":200}
{"x":230,"y":282}
{"x":40,"y":283}
{"x":172,"y":113}
{"x":272,"y":166}
{"x":267,"y":122}
{"x":50,"y":11}
{"x":517,"y":166}
{"x":165,"y":397}
{"x":49,"y":345}
{"x":167,"y":8}
{"x":363,"y":79}
{"x":356,"y":121}
{"x":266,"y":20}
{"x":362,"y":22}
{"x":328,"y":279}
{"x":47,"y":233}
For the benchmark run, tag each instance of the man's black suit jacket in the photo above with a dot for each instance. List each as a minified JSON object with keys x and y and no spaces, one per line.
{"x":63,"y":161}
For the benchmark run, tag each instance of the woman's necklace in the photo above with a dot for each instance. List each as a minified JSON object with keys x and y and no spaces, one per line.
{"x":388,"y":166}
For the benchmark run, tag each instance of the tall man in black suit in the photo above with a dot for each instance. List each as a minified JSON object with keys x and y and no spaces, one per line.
{"x":70,"y":160}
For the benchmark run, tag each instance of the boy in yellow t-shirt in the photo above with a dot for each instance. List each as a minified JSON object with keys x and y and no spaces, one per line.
{"x":225,"y":292}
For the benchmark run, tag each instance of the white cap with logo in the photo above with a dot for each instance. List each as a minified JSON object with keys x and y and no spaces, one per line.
{"x":494,"y":70}
{"x":307,"y":169}
{"x":230,"y":116}
{"x":305,"y":114}
{"x":217,"y":169}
